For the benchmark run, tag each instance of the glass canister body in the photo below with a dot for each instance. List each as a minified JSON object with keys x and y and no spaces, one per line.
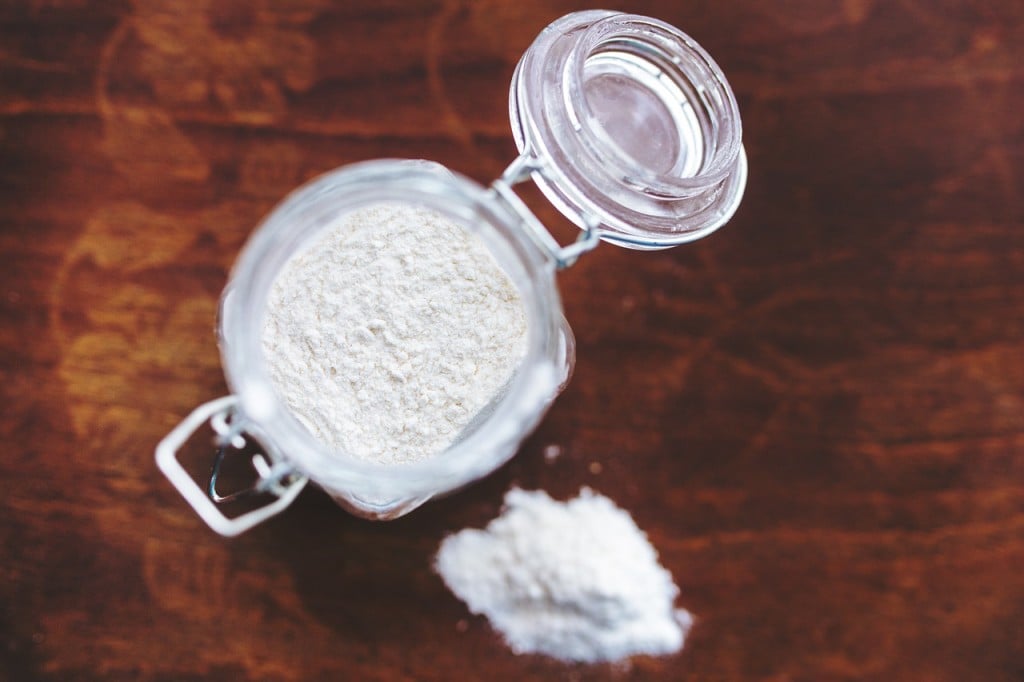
{"x":366,"y":487}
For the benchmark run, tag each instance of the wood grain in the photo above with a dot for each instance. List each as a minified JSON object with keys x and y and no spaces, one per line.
{"x":817,"y":414}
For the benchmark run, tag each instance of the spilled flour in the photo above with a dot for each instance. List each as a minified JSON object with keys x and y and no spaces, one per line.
{"x":575,"y":580}
{"x":391,"y":333}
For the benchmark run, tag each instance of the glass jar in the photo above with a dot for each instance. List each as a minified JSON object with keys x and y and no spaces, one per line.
{"x":627,"y":126}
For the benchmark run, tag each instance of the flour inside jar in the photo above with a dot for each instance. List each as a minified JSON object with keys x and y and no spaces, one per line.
{"x":392,"y":333}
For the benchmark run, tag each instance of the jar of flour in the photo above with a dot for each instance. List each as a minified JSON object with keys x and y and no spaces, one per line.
{"x":392,"y":331}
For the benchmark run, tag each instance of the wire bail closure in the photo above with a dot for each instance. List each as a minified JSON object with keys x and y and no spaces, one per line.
{"x":520,"y":170}
{"x":229,"y":425}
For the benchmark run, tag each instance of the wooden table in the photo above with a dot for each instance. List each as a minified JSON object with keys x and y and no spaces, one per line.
{"x":817,"y":414}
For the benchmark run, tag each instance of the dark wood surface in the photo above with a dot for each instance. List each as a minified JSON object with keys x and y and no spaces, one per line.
{"x":817,"y":414}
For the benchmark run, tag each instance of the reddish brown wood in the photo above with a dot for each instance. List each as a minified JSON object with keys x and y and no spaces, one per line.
{"x":817,"y":414}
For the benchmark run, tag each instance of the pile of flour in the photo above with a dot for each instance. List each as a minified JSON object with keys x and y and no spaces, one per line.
{"x":393,"y":331}
{"x":576,"y":580}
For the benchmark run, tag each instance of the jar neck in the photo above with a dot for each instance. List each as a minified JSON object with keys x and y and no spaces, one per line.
{"x":652,"y":108}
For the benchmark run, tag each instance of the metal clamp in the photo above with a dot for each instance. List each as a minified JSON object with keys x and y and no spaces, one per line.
{"x":520,"y":170}
{"x":224,"y":420}
{"x":269,"y":479}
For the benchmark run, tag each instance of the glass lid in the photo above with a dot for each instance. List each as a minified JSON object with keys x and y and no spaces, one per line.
{"x":630,"y":126}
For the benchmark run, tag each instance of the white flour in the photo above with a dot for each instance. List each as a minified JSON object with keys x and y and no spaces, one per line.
{"x":576,"y":580}
{"x":387,"y":336}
